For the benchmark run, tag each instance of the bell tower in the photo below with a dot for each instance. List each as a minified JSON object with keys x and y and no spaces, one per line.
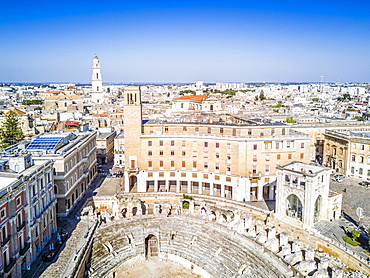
{"x":132,"y":131}
{"x":97,"y":95}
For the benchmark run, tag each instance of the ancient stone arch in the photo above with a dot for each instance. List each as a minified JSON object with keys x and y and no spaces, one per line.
{"x":151,"y":246}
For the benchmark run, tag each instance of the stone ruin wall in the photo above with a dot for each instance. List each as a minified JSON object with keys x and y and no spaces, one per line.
{"x":306,"y":254}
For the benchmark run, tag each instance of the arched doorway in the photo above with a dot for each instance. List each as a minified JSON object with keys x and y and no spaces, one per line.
{"x":294,"y":207}
{"x":133,"y":183}
{"x":318,"y":205}
{"x":151,"y":246}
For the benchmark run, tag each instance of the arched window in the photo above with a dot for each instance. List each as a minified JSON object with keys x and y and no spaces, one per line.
{"x":294,"y":207}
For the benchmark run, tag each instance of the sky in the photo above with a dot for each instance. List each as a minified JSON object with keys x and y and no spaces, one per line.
{"x":185,"y":41}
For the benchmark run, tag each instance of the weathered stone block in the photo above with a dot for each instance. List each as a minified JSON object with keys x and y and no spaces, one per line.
{"x":262,"y":237}
{"x":306,"y":266}
{"x":293,"y":258}
{"x":273,"y":244}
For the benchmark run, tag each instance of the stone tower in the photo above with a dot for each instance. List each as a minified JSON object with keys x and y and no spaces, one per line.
{"x":97,"y":95}
{"x":132,"y":131}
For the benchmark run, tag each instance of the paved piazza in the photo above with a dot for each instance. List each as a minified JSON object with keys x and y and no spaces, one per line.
{"x":354,"y":196}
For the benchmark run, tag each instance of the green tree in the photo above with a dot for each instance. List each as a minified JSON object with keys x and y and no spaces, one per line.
{"x":10,"y":132}
{"x":290,"y":120}
{"x":262,"y":95}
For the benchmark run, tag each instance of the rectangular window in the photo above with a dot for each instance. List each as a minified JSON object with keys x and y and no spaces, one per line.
{"x":194,"y":164}
{"x":228,"y":179}
{"x":160,"y":152}
{"x":172,"y":153}
{"x":183,"y":153}
{"x":209,"y":130}
{"x":205,"y":176}
{"x":221,"y":130}
{"x":283,"y":131}
{"x":197,"y":129}
{"x":278,"y":156}
{"x":172,"y":143}
{"x":3,"y":213}
{"x":267,"y":168}
{"x":217,"y":166}
{"x":183,"y":143}
{"x":183,"y":175}
{"x":254,"y":169}
{"x":228,"y":157}
{"x":217,"y":177}
{"x":150,"y":164}
{"x":302,"y":145}
{"x":255,"y":147}
{"x":172,"y":174}
{"x":161,"y":163}
{"x":205,"y":155}
{"x":288,"y":144}
{"x":172,"y":163}
{"x":228,"y":168}
{"x":217,"y":155}
{"x":183,"y":164}
{"x":194,"y":153}
{"x":184,"y":128}
{"x":149,"y":153}
{"x":150,"y":174}
{"x":255,"y":158}
{"x":234,"y":132}
{"x":150,"y":143}
{"x":206,"y":144}
{"x":290,"y":156}
{"x":161,"y":174}
{"x":166,"y":129}
{"x":228,"y":146}
{"x":301,"y":155}
{"x":161,"y":143}
{"x":217,"y":145}
{"x":267,"y":157}
{"x":132,"y":163}
{"x":205,"y":165}
{"x":194,"y":175}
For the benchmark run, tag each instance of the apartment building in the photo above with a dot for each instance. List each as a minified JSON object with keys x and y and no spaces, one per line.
{"x":233,"y":161}
{"x":74,"y":156}
{"x":27,"y":210}
{"x":348,"y":151}
{"x":105,"y":145}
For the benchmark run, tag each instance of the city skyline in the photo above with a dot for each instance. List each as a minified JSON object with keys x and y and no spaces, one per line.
{"x":165,"y":42}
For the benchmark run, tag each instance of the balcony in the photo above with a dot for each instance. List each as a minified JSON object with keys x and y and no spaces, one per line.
{"x":84,"y":158}
{"x":25,"y":249}
{"x":21,"y":226}
{"x":132,"y":170}
{"x":9,"y":266}
{"x":5,"y":241}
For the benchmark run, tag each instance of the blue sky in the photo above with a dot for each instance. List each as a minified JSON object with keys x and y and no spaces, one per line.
{"x":185,"y":41}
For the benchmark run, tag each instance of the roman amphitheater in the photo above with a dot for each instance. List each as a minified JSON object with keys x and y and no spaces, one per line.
{"x":192,"y":203}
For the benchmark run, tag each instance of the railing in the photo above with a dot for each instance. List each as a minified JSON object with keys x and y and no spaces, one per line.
{"x":5,"y":241}
{"x":20,"y":227}
{"x":25,"y":248}
{"x":9,"y":266}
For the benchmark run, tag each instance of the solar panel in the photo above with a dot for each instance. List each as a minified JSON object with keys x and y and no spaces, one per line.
{"x":46,"y":143}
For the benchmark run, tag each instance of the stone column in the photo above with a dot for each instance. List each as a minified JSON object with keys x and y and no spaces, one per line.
{"x":167,"y":186}
{"x":222,"y":190}
{"x":155,"y":185}
{"x":260,"y":193}
{"x":200,"y":187}
{"x":211,"y":188}
{"x":177,"y":186}
{"x":190,"y":185}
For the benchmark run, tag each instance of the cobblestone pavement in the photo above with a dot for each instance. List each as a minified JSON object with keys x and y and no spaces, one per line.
{"x":66,"y":224}
{"x":354,"y":196}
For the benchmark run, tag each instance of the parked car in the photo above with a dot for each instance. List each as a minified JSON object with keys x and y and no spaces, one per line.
{"x":114,"y":175}
{"x":119,"y":174}
{"x":340,"y":176}
{"x":364,"y":183}
{"x":109,"y":175}
{"x":337,"y":179}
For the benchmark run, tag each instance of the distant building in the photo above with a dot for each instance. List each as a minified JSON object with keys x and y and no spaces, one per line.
{"x":97,"y":93}
{"x":105,"y":145}
{"x":119,"y":150}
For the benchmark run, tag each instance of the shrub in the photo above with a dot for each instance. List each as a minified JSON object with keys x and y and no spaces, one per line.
{"x":187,"y":197}
{"x":185,"y":205}
{"x":350,"y":241}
